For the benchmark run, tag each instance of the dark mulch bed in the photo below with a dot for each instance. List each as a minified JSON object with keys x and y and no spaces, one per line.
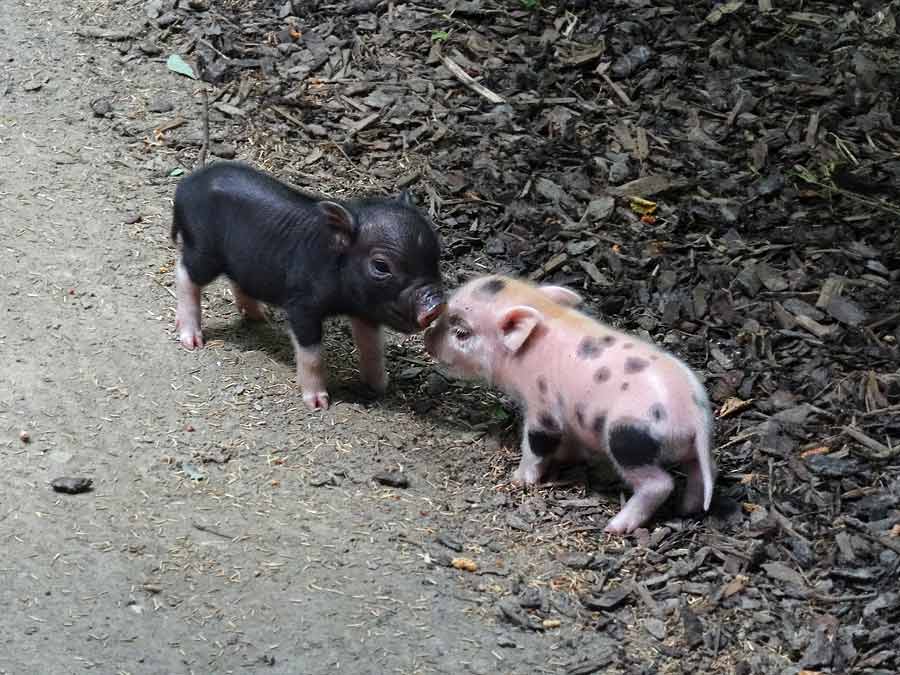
{"x":722,"y":178}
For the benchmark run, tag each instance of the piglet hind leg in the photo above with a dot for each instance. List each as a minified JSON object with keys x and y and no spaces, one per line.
{"x":693,"y":497}
{"x":306,"y":336}
{"x":636,"y":452}
{"x":187,"y":311}
{"x":248,"y":307}
{"x":369,"y":341}
{"x":652,"y":486}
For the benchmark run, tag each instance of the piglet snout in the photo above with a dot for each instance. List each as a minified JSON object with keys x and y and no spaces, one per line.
{"x":431,"y":304}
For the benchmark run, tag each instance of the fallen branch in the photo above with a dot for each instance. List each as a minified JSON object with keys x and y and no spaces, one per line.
{"x":103,"y":34}
{"x":204,"y":148}
{"x":860,"y":528}
{"x":470,"y":82}
{"x":878,"y":450}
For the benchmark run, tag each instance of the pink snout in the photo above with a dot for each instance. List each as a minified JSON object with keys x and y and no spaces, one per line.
{"x":432,"y":309}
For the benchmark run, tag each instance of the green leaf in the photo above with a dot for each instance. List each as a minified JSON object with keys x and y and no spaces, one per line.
{"x":177,"y":171}
{"x":178,"y":65}
{"x":439,"y":35}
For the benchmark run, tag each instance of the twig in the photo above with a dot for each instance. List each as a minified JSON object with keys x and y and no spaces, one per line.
{"x":863,"y":531}
{"x":102,"y":34}
{"x":879,"y":450}
{"x":881,"y":411}
{"x":470,"y":82}
{"x":647,"y":599}
{"x":204,"y":148}
{"x":785,"y":524}
{"x":165,"y":288}
{"x":204,"y":528}
{"x":617,"y":89}
{"x":288,"y":116}
{"x":887,"y":319}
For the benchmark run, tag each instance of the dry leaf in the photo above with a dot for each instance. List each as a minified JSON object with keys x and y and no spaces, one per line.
{"x":820,"y":450}
{"x":736,"y":585}
{"x":551,"y":623}
{"x":464,"y":564}
{"x":895,"y":530}
{"x":643,"y":206}
{"x":734,"y":405}
{"x":750,"y":508}
{"x":748,"y":478}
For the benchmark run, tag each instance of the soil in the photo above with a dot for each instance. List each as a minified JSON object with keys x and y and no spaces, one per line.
{"x":709,"y":177}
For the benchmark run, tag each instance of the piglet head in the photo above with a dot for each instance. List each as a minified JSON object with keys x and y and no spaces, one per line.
{"x":390,"y":272}
{"x":489,"y":322}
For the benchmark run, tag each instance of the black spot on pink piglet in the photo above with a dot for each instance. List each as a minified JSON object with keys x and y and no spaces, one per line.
{"x":634,"y":364}
{"x":547,"y":422}
{"x":543,"y":443}
{"x":542,"y":384}
{"x":633,"y":446}
{"x":602,"y":375}
{"x":657,"y":412}
{"x":492,"y":286}
{"x":588,"y":348}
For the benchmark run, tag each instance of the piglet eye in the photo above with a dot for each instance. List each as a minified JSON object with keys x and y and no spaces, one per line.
{"x":462,"y":334}
{"x":380,"y":267}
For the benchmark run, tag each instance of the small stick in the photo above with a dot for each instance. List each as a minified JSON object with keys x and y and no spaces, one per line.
{"x":863,"y":531}
{"x":617,"y":89}
{"x":165,"y":288}
{"x":201,"y":159}
{"x":470,"y":82}
{"x":204,"y":528}
{"x":880,"y":450}
{"x":100,"y":33}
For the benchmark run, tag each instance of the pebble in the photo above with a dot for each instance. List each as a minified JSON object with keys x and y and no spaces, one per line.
{"x":157,"y":104}
{"x":150,"y":48}
{"x":71,"y":486}
{"x":223,"y":150}
{"x":101,"y":107}
{"x":166,"y":19}
{"x":392,"y":479}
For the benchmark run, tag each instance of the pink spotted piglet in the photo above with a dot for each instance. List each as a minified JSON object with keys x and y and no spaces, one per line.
{"x":584,"y":386}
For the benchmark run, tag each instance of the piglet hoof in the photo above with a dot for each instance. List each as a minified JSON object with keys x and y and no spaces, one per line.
{"x":377,"y":381}
{"x":189,"y":336}
{"x":526,"y":475}
{"x":623,"y":523}
{"x":316,"y":400}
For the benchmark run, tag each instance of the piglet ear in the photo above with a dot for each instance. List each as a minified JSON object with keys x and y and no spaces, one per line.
{"x":405,"y":197}
{"x":516,"y":325}
{"x":561,"y":295}
{"x":340,"y":220}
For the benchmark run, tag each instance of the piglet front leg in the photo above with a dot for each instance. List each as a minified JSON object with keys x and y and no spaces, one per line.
{"x":187,"y":313}
{"x":540,"y":440}
{"x":306,"y":336}
{"x":369,"y":341}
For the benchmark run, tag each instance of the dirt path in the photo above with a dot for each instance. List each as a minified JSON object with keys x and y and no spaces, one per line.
{"x":231,"y":530}
{"x":288,"y":577}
